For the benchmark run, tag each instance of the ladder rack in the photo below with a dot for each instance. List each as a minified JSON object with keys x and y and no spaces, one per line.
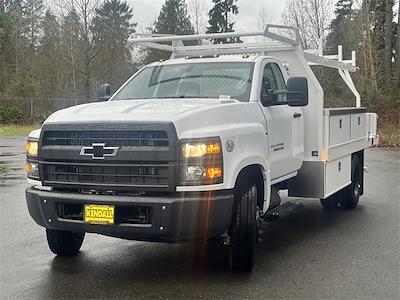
{"x":265,"y":41}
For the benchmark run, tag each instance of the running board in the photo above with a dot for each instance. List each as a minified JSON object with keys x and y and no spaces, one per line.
{"x":282,"y":210}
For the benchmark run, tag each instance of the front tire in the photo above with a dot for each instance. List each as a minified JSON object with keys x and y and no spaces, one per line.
{"x":244,"y":227}
{"x":64,"y":243}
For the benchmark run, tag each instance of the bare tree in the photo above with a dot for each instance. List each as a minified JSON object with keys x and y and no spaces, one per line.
{"x":198,"y":10}
{"x":312,"y":17}
{"x":388,"y":38}
{"x":84,"y":49}
{"x":263,"y":18}
{"x":319,"y":15}
{"x":295,"y":15}
{"x":397,"y":57}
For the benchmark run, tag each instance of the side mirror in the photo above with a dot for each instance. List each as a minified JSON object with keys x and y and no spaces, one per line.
{"x":268,"y":99}
{"x":297,"y":91}
{"x":104,"y":92}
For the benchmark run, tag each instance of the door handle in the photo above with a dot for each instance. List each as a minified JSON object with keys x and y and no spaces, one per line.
{"x":296,"y":115}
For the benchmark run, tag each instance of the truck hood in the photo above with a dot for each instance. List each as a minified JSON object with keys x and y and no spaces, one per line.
{"x":148,"y":110}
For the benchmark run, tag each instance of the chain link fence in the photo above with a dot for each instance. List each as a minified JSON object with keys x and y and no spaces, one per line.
{"x":32,"y":107}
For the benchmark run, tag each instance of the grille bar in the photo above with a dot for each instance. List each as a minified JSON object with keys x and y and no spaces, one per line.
{"x":151,"y":175}
{"x":111,"y":138}
{"x":105,"y":163}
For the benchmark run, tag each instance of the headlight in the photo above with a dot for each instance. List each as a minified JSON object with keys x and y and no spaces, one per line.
{"x":32,"y":165}
{"x":31,"y":148}
{"x":200,"y":149}
{"x":201,"y":161}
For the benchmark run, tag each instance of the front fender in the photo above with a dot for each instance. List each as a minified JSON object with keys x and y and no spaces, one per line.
{"x":264,"y":166}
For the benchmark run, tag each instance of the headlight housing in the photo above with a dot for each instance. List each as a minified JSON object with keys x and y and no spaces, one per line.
{"x":31,"y":148}
{"x":32,"y":164}
{"x":201,"y":161}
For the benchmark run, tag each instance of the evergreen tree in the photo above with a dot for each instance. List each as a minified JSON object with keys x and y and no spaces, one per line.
{"x":343,"y":12}
{"x":32,"y":15}
{"x":340,"y":26}
{"x":173,"y":19}
{"x":220,"y":19}
{"x":111,"y":27}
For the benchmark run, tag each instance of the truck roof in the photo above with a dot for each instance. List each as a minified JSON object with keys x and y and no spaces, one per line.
{"x":200,"y":59}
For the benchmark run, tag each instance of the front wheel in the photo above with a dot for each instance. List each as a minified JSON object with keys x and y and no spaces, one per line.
{"x":244,"y":228}
{"x":64,"y":243}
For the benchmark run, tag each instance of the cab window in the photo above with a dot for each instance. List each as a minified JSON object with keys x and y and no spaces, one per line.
{"x":272,"y":84}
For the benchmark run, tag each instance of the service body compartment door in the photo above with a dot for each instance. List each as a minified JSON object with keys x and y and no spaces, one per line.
{"x":339,"y":130}
{"x":358,"y":125}
{"x":337,"y":174}
{"x":319,"y":179}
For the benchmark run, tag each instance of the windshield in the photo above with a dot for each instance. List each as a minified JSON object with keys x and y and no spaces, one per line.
{"x":191,"y":80}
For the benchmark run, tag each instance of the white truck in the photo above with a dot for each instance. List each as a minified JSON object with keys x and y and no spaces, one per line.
{"x":199,"y":146}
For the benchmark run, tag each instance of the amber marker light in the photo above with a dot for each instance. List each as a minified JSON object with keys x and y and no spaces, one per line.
{"x":213,"y":148}
{"x":28,"y":168}
{"x":213,"y":173}
{"x":325,"y":155}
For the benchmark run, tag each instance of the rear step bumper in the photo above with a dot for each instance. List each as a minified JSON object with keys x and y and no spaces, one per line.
{"x":187,"y":216}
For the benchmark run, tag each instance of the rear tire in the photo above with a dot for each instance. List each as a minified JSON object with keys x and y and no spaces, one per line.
{"x":352,"y":193}
{"x":244,"y":227}
{"x":64,"y":243}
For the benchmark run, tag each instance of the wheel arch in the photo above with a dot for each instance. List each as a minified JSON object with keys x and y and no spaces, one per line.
{"x":262,"y":179}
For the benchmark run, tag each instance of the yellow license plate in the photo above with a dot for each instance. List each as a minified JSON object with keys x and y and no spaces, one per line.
{"x":99,"y":214}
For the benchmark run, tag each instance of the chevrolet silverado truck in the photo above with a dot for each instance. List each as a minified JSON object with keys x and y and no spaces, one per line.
{"x":198,"y":146}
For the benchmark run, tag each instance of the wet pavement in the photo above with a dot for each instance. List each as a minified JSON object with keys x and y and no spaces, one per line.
{"x":311,"y":254}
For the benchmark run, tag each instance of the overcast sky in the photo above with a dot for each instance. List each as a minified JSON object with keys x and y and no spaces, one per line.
{"x":146,"y":11}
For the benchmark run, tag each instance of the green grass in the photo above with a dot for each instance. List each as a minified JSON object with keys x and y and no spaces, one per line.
{"x":17,"y":130}
{"x":3,"y":169}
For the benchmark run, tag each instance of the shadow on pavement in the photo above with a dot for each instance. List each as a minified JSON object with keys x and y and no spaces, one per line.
{"x":130,"y":269}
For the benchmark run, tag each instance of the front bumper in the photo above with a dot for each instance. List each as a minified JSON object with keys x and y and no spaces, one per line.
{"x":184,"y":217}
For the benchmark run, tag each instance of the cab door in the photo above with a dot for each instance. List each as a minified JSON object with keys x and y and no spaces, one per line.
{"x":281,"y":119}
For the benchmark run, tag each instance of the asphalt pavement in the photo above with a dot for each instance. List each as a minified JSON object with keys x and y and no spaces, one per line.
{"x":311,"y":254}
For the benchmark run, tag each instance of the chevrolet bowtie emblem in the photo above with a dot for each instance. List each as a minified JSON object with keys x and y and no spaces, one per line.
{"x":99,"y":151}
